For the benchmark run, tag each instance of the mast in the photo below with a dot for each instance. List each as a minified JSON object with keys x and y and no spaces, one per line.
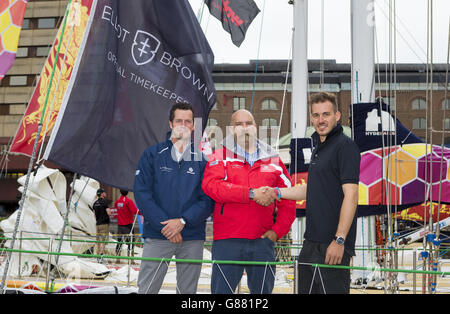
{"x":299,"y":103}
{"x":363,"y":54}
{"x":299,"y":95}
{"x":363,"y":90}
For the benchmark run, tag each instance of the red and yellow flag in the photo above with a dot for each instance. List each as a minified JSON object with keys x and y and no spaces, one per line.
{"x":73,"y":35}
{"x":417,"y":213}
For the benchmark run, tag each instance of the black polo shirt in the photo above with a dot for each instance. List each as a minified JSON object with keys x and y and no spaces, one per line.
{"x":101,"y":215}
{"x":333,"y":163}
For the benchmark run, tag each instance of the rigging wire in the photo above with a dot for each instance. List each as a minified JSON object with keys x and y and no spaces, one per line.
{"x":49,"y":113}
{"x":257,"y":57}
{"x":285,"y":92}
{"x":4,"y":160}
{"x":22,"y":200}
{"x":443,"y":129}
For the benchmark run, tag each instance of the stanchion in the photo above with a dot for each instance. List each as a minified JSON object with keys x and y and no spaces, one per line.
{"x":296,"y":275}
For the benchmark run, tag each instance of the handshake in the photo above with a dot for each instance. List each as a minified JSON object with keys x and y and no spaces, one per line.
{"x":265,"y":195}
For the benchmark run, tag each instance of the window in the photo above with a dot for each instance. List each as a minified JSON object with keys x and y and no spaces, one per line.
{"x":269,"y":104}
{"x":444,"y":103}
{"x":419,"y":123}
{"x":391,"y":101}
{"x":447,"y":141}
{"x":419,"y":104}
{"x":47,"y":22}
{"x":26,"y":24}
{"x":18,"y":80}
{"x":269,"y":122}
{"x":269,"y":131}
{"x":22,"y":52}
{"x":212,"y":122}
{"x":42,"y":51}
{"x":447,"y":124}
{"x":238,"y":103}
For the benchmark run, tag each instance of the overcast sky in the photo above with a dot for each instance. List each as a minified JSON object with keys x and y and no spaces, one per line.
{"x":275,"y":22}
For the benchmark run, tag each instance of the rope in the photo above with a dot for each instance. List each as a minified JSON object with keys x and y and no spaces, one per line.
{"x":312,"y":280}
{"x":443,"y":129}
{"x":4,"y":161}
{"x":22,"y":200}
{"x":56,"y":91}
{"x":156,"y":272}
{"x":257,"y":57}
{"x":223,"y":275}
{"x":284,"y":93}
{"x":228,"y":262}
{"x":65,"y":222}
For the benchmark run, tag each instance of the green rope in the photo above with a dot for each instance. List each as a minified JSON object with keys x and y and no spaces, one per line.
{"x":56,"y":62}
{"x":279,"y":246}
{"x":261,"y":263}
{"x":36,"y":141}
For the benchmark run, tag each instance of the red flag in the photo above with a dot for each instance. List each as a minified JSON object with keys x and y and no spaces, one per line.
{"x":235,"y":15}
{"x":75,"y":27}
{"x":11,"y":19}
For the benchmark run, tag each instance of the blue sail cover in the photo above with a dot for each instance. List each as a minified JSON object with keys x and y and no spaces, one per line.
{"x":137,"y":59}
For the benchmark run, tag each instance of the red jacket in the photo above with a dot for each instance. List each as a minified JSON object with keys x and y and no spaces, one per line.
{"x":125,"y":210}
{"x":227,"y":180}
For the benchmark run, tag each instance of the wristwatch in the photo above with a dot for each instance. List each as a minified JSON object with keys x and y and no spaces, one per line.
{"x":251,"y":194}
{"x":278,"y":193}
{"x":183,"y":221}
{"x":339,"y":240}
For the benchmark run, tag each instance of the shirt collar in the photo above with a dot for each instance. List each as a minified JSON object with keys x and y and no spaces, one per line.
{"x":336,"y":130}
{"x":250,"y":158}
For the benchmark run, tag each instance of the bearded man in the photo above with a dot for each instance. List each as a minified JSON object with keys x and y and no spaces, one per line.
{"x":168,"y":193}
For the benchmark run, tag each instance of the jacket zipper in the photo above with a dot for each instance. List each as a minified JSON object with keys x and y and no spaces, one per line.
{"x":221,"y":209}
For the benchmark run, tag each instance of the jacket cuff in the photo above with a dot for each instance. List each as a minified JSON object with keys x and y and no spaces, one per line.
{"x":278,"y":231}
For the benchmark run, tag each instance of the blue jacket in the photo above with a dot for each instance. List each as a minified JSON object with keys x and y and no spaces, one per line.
{"x":166,"y":189}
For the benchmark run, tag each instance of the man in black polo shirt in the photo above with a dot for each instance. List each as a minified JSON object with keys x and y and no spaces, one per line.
{"x":331,"y":199}
{"x":100,"y":208}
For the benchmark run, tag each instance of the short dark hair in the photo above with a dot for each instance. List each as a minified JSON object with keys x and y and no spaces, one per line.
{"x":323,"y":97}
{"x":123,"y":192}
{"x":180,"y":106}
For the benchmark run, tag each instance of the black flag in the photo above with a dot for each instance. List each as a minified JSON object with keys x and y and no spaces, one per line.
{"x":236,"y":16}
{"x":136,"y":60}
{"x":374,"y":125}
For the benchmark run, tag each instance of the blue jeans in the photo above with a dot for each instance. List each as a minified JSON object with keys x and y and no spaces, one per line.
{"x":226,"y":277}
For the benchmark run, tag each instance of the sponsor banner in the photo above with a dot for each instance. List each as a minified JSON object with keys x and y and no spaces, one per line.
{"x":136,"y":61}
{"x":75,"y":27}
{"x":402,"y":175}
{"x":396,"y":174}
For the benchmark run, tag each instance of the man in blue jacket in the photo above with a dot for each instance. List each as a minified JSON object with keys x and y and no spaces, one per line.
{"x":168,"y":193}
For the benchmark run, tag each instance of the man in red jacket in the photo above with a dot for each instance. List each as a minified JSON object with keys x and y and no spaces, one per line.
{"x":126,"y":209}
{"x":244,"y":224}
